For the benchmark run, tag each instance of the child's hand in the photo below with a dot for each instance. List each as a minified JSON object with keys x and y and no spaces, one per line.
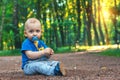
{"x":52,"y":52}
{"x":48,"y":51}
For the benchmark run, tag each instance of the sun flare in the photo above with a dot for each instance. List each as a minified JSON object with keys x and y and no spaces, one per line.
{"x":106,"y":14}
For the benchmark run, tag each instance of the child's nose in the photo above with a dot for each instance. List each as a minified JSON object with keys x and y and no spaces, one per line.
{"x":34,"y":33}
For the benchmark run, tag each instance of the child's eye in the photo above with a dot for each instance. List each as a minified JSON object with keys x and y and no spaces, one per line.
{"x":37,"y":30}
{"x":31,"y":31}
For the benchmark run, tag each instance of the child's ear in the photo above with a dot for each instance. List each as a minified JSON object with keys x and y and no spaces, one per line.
{"x":42,"y":31}
{"x":25,"y":34}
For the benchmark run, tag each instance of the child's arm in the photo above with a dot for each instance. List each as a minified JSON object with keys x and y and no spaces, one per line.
{"x":38,"y":54}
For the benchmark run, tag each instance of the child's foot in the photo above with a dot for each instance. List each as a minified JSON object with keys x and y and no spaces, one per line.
{"x":60,"y":70}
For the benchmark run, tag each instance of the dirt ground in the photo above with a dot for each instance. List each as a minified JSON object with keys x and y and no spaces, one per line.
{"x":79,"y":66}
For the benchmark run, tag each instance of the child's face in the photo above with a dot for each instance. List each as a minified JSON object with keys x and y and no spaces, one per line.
{"x":31,"y":31}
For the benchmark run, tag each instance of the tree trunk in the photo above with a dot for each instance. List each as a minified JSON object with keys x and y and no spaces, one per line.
{"x":78,"y":21}
{"x":55,"y":20}
{"x":38,"y":7}
{"x":84,"y":40}
{"x":2,"y":24}
{"x":15,"y":25}
{"x":95,"y":30}
{"x":99,"y":23}
{"x":60,"y":21}
{"x":106,"y":31}
{"x":114,"y":22}
{"x":84,"y":29}
{"x":89,"y":12}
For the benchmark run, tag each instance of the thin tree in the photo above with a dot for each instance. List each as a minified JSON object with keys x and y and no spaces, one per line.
{"x":78,"y":20}
{"x":3,"y":3}
{"x":56,"y":21}
{"x":91,"y":20}
{"x":15,"y":24}
{"x":85,"y":24}
{"x":38,"y":9}
{"x":99,"y":23}
{"x":106,"y":30}
{"x":95,"y":30}
{"x":114,"y":22}
{"x":89,"y":12}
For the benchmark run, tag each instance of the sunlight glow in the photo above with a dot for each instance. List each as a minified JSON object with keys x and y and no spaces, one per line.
{"x":20,"y":25}
{"x":106,"y":14}
{"x":105,"y":11}
{"x":104,"y":47}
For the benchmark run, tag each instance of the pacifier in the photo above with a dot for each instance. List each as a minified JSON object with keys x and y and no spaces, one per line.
{"x":35,"y":38}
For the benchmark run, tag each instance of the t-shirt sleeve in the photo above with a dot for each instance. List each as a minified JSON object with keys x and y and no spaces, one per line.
{"x":25,"y":46}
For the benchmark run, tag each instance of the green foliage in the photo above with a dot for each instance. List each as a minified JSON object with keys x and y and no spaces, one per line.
{"x":118,"y":24}
{"x":67,"y":49}
{"x":5,"y":1}
{"x":10,"y":53}
{"x":111,"y":52}
{"x":8,"y":40}
{"x":59,"y":20}
{"x":63,"y":50}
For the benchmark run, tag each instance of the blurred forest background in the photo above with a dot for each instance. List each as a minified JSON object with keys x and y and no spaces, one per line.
{"x":64,"y":22}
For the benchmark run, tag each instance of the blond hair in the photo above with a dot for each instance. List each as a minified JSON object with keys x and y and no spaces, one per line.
{"x":32,"y":22}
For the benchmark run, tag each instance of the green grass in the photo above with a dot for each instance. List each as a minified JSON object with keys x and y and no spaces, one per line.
{"x":63,"y":50}
{"x":111,"y":52}
{"x":57,"y":51}
{"x":10,"y":53}
{"x":67,"y":49}
{"x":107,"y":52}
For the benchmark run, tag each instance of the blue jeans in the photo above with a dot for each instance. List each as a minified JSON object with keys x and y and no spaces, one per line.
{"x":45,"y":67}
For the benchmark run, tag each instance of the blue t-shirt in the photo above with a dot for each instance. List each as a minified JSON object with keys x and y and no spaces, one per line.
{"x":29,"y":45}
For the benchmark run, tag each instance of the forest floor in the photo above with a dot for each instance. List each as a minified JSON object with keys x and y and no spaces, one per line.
{"x":79,"y":66}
